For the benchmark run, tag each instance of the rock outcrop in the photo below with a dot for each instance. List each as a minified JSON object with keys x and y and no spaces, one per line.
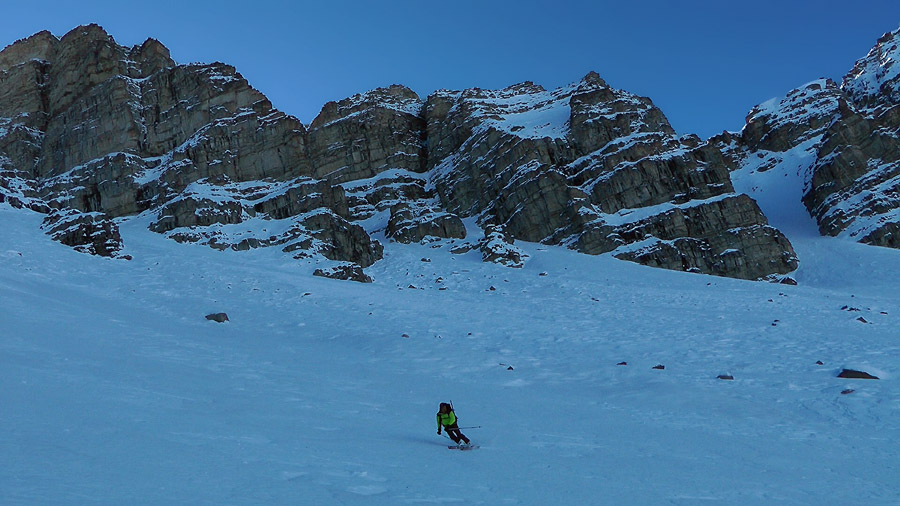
{"x":346,"y":272}
{"x":93,"y":129}
{"x":414,"y":221}
{"x":92,"y":233}
{"x":367,"y":134}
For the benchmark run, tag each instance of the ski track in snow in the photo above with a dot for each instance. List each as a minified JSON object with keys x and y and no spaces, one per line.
{"x":116,"y":390}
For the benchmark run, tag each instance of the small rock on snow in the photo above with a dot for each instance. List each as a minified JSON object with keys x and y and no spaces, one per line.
{"x":851,"y":374}
{"x":217,"y":317}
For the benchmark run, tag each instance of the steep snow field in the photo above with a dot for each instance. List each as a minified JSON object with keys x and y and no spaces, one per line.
{"x":114,"y":389}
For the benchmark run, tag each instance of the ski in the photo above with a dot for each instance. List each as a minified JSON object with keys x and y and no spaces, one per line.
{"x":463,"y":447}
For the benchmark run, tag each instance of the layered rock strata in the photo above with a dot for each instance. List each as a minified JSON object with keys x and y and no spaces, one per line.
{"x":108,"y":131}
{"x":600,"y":170}
{"x":101,"y":131}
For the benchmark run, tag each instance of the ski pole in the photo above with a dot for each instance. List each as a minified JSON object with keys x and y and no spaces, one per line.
{"x":472,"y":427}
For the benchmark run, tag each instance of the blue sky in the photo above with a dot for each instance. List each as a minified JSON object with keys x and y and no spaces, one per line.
{"x":705,"y":64}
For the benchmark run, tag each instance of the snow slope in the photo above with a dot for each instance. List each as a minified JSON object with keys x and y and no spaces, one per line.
{"x":115,"y":389}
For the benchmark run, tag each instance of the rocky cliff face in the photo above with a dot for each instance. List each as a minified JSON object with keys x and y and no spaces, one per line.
{"x":95,"y":127}
{"x":847,"y":139}
{"x":92,"y":132}
{"x":600,"y":170}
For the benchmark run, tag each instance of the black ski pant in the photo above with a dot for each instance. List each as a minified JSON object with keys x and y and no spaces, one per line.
{"x":455,"y":434}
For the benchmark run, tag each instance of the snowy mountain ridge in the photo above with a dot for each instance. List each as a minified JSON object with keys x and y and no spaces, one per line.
{"x":848,"y":137}
{"x":878,"y":74}
{"x":97,"y":133}
{"x":94,"y":133}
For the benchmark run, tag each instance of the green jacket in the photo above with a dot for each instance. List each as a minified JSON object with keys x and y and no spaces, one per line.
{"x":446,"y":419}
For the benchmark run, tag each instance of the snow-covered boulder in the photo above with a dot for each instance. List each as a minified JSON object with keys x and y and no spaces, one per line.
{"x":499,"y":248}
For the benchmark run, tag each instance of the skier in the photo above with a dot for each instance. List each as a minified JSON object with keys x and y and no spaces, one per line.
{"x":446,"y":419}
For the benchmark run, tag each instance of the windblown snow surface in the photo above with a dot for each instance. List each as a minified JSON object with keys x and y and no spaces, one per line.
{"x":114,"y":388}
